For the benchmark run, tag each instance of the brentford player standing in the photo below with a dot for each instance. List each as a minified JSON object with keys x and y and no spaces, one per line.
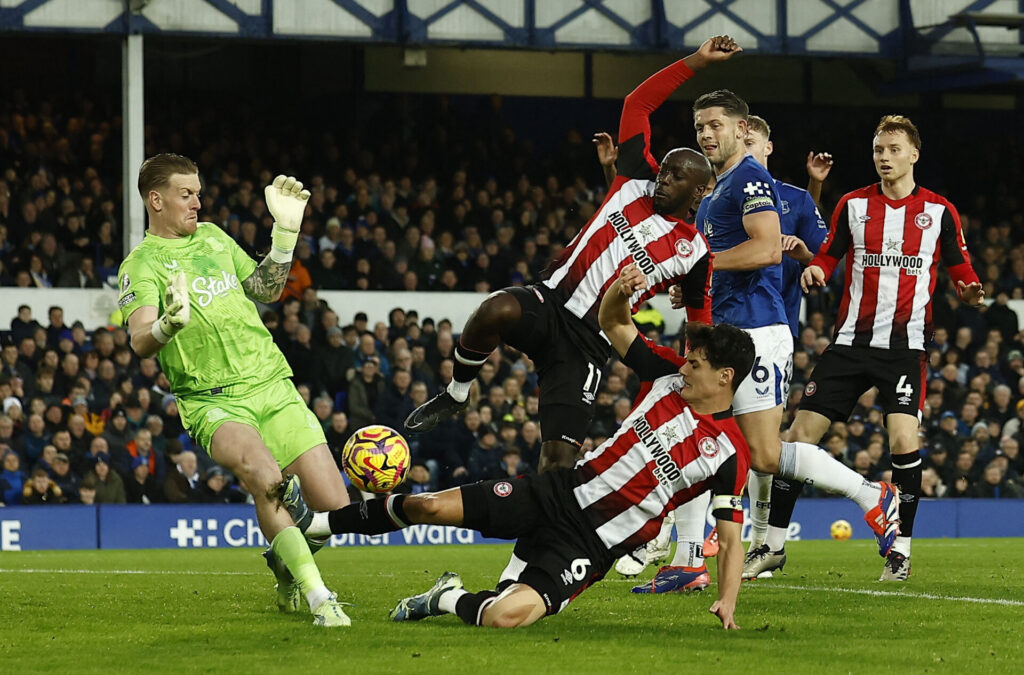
{"x":555,"y":322}
{"x":571,"y":523}
{"x":893,"y":234}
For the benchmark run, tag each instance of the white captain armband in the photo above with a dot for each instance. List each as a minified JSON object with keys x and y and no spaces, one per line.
{"x":731,"y":502}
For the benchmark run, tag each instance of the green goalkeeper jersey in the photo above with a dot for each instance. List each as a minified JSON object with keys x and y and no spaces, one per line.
{"x":225,"y":341}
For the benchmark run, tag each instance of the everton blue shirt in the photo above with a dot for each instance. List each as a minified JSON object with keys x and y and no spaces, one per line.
{"x":800,"y":217}
{"x":747,"y":299}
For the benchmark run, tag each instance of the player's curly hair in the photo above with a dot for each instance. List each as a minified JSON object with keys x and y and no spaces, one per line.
{"x":724,"y":346}
{"x":733,"y":105}
{"x":156,"y":171}
{"x":892,"y":123}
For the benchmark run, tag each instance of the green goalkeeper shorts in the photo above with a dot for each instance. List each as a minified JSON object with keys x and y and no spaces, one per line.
{"x":288,"y":428}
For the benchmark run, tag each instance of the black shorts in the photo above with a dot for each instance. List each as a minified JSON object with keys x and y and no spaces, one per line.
{"x":844,"y":373}
{"x":557,"y":552}
{"x":569,"y":357}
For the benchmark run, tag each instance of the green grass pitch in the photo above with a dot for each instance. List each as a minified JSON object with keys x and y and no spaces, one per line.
{"x":212,"y":611}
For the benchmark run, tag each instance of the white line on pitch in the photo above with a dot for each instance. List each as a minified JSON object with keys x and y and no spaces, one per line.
{"x":174,"y":572}
{"x":867,"y":591}
{"x":896,"y":594}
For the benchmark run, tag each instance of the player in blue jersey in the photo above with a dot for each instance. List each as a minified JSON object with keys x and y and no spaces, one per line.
{"x":742,"y":221}
{"x":803,"y":230}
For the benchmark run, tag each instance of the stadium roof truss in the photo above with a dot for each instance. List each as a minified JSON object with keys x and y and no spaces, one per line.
{"x":938,"y":43}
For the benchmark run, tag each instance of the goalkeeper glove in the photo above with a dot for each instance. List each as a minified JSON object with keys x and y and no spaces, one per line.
{"x":287,"y":203}
{"x":177,"y":310}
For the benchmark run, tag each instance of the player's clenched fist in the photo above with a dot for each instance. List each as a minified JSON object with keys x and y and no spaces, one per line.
{"x":287,"y":203}
{"x":632,"y":279}
{"x":177,"y":310}
{"x":717,"y":48}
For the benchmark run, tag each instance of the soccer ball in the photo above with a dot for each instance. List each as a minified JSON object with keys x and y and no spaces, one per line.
{"x":841,"y":530}
{"x":376,"y":458}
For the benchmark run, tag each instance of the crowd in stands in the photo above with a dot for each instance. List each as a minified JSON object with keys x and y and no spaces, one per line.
{"x":435,"y":203}
{"x":85,"y":420}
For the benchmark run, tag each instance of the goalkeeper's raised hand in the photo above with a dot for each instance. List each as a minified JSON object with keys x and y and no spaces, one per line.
{"x":177,"y":310}
{"x":287,"y":203}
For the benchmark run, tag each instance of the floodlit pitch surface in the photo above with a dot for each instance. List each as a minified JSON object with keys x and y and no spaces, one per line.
{"x":212,"y":611}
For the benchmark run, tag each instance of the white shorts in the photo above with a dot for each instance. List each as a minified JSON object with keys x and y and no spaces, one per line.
{"x":767,"y":385}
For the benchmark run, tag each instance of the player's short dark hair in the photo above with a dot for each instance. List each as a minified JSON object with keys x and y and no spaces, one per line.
{"x":733,"y":105}
{"x":760,"y":125}
{"x":156,"y":171}
{"x":724,"y":346}
{"x":892,"y":123}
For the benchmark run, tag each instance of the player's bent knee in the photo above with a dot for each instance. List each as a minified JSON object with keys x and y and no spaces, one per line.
{"x":501,"y":308}
{"x":509,"y":614}
{"x":557,"y":454}
{"x":764,"y":462}
{"x":421,"y":508}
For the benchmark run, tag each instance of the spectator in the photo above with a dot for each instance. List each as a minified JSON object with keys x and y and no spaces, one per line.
{"x":12,"y":479}
{"x":394,"y":403}
{"x":368,"y":350}
{"x":363,"y":392}
{"x":485,"y":457}
{"x":117,"y":433}
{"x":65,"y":479}
{"x":141,"y":487}
{"x":41,"y":490}
{"x":215,"y":489}
{"x":182,"y":484}
{"x":87,"y":491}
{"x":993,"y":485}
{"x":512,"y":463}
{"x":109,"y":486}
{"x":335,"y":359}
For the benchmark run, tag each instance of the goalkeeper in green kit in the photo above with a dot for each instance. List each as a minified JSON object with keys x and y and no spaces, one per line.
{"x":185,"y":294}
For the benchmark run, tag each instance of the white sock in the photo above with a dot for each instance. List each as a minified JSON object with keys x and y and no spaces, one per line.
{"x":690,"y":520}
{"x":317,"y":596}
{"x":811,"y":464}
{"x":776,"y":538}
{"x":320,"y":527}
{"x":759,"y":487}
{"x":459,"y":390}
{"x":902,"y":545}
{"x":448,"y":599}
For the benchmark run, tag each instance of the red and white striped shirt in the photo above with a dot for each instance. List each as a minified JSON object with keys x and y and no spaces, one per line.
{"x":892,"y":250}
{"x":627,"y":230}
{"x":663,"y":455}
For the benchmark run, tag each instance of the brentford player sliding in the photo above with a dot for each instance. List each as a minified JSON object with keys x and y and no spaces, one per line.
{"x":571,"y":523}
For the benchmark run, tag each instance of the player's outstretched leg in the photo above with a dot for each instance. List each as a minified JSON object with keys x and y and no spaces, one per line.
{"x":879,"y":501}
{"x":427,"y":603}
{"x":495,"y":315}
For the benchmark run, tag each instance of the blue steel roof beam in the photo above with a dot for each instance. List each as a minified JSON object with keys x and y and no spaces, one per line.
{"x":676,"y":36}
{"x":799,"y":42}
{"x":545,"y":37}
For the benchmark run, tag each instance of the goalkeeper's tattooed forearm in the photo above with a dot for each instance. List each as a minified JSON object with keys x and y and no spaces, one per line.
{"x":267,"y":282}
